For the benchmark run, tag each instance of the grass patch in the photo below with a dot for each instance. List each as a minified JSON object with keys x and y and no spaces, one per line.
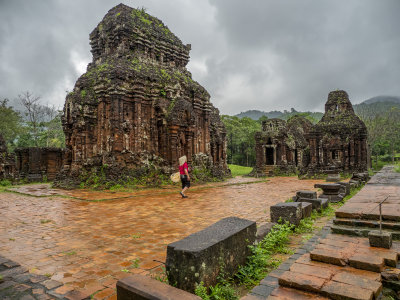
{"x":239,"y":170}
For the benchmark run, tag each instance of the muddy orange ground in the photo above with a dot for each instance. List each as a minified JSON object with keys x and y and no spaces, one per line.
{"x":89,"y":245}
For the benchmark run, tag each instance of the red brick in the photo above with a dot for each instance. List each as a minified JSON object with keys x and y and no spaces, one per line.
{"x":367,"y":262}
{"x":328,"y":256}
{"x":389,"y":256}
{"x":283,"y":293}
{"x":320,"y":272}
{"x":359,"y":281}
{"x":342,"y":291}
{"x":301,"y":281}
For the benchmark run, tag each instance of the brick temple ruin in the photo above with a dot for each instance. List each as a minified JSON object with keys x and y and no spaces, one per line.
{"x":7,"y":161}
{"x":137,"y":104}
{"x":337,"y":143}
{"x":38,"y":164}
{"x":282,"y":144}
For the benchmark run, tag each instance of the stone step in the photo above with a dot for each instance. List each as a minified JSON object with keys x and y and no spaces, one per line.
{"x":367,"y":223}
{"x":343,"y":286}
{"x":361,"y":231}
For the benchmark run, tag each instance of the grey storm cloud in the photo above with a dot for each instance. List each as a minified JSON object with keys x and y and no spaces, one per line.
{"x":259,"y":54}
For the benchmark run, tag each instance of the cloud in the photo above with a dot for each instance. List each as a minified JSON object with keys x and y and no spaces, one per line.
{"x":260,"y":54}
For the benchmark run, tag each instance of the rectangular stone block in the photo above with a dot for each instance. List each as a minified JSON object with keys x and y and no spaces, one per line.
{"x":306,"y":209}
{"x":300,"y":281}
{"x":367,"y":262}
{"x":381,"y":240}
{"x":317,"y":204}
{"x":202,"y":256}
{"x":139,"y":287}
{"x":338,"y":290}
{"x":345,"y":188}
{"x":287,"y":211}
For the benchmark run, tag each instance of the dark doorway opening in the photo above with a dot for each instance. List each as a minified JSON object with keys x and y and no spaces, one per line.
{"x":269,"y":155}
{"x":296,"y":160}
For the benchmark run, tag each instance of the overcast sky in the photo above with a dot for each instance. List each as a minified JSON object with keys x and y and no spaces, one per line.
{"x":258,"y":54}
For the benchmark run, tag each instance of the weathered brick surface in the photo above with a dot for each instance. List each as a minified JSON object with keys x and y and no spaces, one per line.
{"x":138,"y":287}
{"x":358,"y":281}
{"x":282,"y":293}
{"x":137,"y":103}
{"x":367,"y":262}
{"x":339,"y":291}
{"x":320,"y":272}
{"x":328,"y":256}
{"x":301,"y":281}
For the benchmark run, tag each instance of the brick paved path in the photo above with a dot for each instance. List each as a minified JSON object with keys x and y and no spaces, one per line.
{"x":338,"y":266}
{"x":88,"y":246}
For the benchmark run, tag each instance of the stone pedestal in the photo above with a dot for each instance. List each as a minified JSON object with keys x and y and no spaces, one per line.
{"x":333,"y":178}
{"x":330,"y":191}
{"x":380,"y":239}
{"x":306,"y":194}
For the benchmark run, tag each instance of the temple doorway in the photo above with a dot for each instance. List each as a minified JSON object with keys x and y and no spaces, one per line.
{"x":269,"y":156}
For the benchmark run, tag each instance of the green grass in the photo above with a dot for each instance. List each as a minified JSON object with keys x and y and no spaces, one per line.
{"x":239,"y":170}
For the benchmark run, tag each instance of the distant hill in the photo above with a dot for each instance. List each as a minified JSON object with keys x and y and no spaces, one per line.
{"x":376,"y":99}
{"x":256,"y":114}
{"x":285,"y":115}
{"x":370,"y":107}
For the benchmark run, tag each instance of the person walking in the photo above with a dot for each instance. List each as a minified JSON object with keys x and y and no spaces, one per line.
{"x":184,"y":173}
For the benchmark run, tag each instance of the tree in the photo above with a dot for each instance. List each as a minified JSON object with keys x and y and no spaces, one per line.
{"x":10,"y":123}
{"x":42,"y":126}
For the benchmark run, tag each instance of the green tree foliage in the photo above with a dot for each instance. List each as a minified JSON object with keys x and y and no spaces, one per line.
{"x":383,"y":124}
{"x":10,"y":123}
{"x":240,"y":138}
{"x":37,"y":125}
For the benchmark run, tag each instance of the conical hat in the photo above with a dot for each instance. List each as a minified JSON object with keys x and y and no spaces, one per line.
{"x":175,"y":177}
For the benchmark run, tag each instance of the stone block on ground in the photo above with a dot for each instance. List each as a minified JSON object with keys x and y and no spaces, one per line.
{"x":201,"y":256}
{"x":345,"y":189}
{"x":317,"y":204}
{"x":328,"y":256}
{"x":287,"y":211}
{"x":300,"y":281}
{"x":306,"y":210}
{"x":263,"y":230}
{"x":338,"y":290}
{"x":367,"y":262}
{"x":139,"y":287}
{"x":380,"y":239}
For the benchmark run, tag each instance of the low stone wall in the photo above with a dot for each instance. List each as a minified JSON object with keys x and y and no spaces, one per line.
{"x":202,"y":256}
{"x":139,"y":287}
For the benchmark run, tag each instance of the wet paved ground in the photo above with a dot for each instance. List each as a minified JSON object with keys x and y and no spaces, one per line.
{"x":88,"y":246}
{"x":340,"y":266}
